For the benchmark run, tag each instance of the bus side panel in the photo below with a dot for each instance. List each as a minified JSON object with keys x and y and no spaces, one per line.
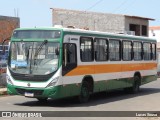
{"x":149,"y":73}
{"x":147,"y":79}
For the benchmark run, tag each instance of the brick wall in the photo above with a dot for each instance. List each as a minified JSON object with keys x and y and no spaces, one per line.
{"x":7,"y":25}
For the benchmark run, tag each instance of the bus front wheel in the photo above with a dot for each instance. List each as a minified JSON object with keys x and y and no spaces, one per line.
{"x":85,"y":93}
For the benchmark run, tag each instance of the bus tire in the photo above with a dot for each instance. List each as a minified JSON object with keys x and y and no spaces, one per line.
{"x":42,"y":100}
{"x":85,"y":92}
{"x":136,"y":86}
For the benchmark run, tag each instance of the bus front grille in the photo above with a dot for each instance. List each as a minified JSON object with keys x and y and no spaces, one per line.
{"x":35,"y":92}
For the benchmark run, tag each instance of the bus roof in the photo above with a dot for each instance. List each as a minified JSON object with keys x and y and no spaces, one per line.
{"x":90,"y":32}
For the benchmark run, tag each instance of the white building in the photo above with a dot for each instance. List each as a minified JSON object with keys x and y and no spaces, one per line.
{"x":154,"y":32}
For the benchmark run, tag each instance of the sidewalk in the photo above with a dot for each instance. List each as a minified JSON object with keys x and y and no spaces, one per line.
{"x":3,"y":91}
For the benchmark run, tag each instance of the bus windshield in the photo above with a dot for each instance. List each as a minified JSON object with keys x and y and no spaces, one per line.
{"x":41,"y":34}
{"x":37,"y":58}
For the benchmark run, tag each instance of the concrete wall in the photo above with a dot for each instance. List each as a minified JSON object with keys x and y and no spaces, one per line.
{"x":7,"y":25}
{"x":106,"y":22}
{"x":92,"y":20}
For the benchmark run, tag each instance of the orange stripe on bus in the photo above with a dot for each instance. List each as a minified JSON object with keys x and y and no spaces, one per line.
{"x":111,"y":68}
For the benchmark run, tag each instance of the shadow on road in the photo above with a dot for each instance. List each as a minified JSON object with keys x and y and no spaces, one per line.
{"x":96,"y":99}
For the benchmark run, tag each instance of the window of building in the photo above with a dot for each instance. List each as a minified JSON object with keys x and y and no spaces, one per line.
{"x":147,"y":51}
{"x":114,"y":50}
{"x":135,"y":28}
{"x":153,"y":51}
{"x":127,"y":50}
{"x":144,"y":30}
{"x":101,"y":49}
{"x":86,"y":49}
{"x":137,"y":49}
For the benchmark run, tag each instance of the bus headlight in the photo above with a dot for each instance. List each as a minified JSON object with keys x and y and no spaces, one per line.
{"x":9,"y":80}
{"x":53,"y":82}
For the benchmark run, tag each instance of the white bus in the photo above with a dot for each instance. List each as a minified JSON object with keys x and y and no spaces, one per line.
{"x":63,"y":62}
{"x":3,"y":55}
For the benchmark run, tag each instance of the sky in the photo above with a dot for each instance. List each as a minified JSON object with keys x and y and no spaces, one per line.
{"x":38,"y":13}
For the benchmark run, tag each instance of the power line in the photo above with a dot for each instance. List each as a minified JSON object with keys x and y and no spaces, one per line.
{"x":88,"y":8}
{"x":124,"y":2}
{"x":94,"y":5}
{"x":129,"y":6}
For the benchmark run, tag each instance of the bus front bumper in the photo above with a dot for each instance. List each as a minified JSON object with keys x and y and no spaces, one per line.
{"x":51,"y":92}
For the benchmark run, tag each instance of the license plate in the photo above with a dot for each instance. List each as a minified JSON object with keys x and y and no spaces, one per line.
{"x":27,"y":94}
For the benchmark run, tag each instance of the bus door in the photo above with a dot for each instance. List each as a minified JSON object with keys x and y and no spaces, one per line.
{"x":69,"y":62}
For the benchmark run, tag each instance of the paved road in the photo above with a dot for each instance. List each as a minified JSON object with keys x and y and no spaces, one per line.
{"x":148,"y":99}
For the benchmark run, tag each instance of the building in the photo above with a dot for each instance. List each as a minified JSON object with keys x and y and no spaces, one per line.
{"x":7,"y":25}
{"x":154,"y":32}
{"x":115,"y":23}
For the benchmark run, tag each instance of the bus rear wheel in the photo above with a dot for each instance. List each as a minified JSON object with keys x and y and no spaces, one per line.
{"x":136,"y":86}
{"x":85,"y":92}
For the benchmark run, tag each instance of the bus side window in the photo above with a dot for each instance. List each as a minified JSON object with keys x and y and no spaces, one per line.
{"x":101,"y":49}
{"x":127,"y":50}
{"x":114,"y":50}
{"x":86,"y":49}
{"x":153,"y":51}
{"x":147,"y":51}
{"x":69,"y":57}
{"x":138,"y":51}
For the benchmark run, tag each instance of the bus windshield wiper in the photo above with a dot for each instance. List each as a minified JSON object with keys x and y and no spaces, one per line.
{"x":39,"y":49}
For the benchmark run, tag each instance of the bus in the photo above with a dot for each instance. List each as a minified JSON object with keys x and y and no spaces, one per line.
{"x":3,"y":64}
{"x":158,"y":63}
{"x":62,"y":62}
{"x":3,"y":55}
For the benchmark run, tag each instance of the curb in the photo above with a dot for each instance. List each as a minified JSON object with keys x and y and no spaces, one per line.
{"x":3,"y":91}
